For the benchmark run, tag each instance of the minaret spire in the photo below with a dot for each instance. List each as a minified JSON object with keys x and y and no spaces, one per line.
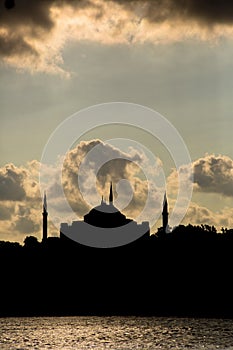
{"x":45,"y":202}
{"x":111,"y":194}
{"x":165,"y":213}
{"x":45,"y":220}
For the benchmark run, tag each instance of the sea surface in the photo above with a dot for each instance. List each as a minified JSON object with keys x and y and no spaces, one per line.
{"x":115,"y":333}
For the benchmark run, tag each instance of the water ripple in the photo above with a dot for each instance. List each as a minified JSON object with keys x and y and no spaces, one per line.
{"x":124,"y":333}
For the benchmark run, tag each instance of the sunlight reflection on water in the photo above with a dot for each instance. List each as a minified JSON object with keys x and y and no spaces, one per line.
{"x":124,"y":333}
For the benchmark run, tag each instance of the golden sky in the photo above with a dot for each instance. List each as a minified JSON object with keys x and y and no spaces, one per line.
{"x":58,"y":57}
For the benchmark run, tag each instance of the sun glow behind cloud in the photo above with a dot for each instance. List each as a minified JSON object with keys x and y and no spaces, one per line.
{"x":37,"y":45}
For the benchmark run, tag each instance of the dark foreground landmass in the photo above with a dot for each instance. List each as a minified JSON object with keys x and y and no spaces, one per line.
{"x":188,"y":273}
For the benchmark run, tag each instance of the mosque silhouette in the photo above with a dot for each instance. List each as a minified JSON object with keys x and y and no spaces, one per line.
{"x":103,"y":220}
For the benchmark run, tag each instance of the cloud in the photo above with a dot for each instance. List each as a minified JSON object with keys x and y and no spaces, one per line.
{"x":11,"y":183}
{"x":207,"y":12}
{"x":21,"y":203}
{"x":27,"y":20}
{"x":92,"y":165}
{"x":19,"y":183}
{"x":198,"y":215}
{"x":33,"y":34}
{"x":211,"y":174}
{"x":214,"y":174}
{"x":25,"y":37}
{"x":87,"y":171}
{"x":25,"y":225}
{"x":5,"y":212}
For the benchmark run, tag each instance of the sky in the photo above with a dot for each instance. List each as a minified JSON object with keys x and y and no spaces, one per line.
{"x":59,"y":57}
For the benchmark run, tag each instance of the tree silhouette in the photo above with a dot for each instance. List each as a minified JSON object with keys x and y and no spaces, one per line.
{"x":31,"y":242}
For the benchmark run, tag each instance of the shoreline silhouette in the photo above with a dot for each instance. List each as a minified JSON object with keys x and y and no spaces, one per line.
{"x":184,"y":272}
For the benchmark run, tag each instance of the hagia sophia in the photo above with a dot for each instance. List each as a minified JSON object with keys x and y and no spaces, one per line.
{"x":102,"y":217}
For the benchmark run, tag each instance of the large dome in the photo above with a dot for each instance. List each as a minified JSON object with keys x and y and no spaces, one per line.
{"x":120,"y":230}
{"x":106,"y":215}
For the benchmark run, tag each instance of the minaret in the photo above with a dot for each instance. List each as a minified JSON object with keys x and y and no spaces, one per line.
{"x":45,"y":223}
{"x":111,"y":195}
{"x":165,"y":214}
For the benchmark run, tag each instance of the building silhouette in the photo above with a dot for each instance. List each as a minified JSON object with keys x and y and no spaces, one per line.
{"x":106,"y":215}
{"x":103,"y":216}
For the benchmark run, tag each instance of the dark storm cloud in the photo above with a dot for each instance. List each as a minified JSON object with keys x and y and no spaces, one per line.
{"x":209,"y":11}
{"x":34,"y":16}
{"x":206,"y":11}
{"x":27,"y":18}
{"x":31,"y":13}
{"x":34,"y":33}
{"x":15,"y":45}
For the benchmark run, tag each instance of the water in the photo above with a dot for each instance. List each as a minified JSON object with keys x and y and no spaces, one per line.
{"x":123,"y":333}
